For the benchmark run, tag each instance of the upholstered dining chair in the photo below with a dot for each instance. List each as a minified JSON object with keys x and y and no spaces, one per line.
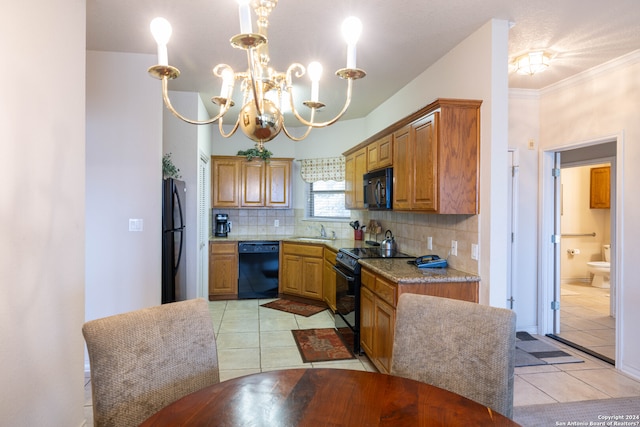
{"x":459,"y":346}
{"x":143,"y":360}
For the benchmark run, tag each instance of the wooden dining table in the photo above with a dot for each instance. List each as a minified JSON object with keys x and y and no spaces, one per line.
{"x":324,"y":397}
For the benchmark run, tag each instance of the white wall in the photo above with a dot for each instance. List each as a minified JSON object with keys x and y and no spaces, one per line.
{"x":577,"y":218}
{"x":123,"y":180}
{"x":589,"y":107}
{"x":42,"y":131}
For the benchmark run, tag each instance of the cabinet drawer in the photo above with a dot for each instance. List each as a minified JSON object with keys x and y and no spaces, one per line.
{"x":330,"y":255}
{"x":386,"y":291}
{"x":224,"y":248}
{"x":367,"y":279}
{"x":302,"y":250}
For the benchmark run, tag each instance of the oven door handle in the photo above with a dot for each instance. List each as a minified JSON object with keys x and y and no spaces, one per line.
{"x":340,"y":272}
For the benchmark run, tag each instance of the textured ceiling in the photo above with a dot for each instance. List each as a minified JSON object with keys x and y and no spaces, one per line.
{"x":401,"y":38}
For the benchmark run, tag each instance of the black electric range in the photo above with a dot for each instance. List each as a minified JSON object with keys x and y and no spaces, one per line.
{"x":348,"y":257}
{"x":347,"y":268}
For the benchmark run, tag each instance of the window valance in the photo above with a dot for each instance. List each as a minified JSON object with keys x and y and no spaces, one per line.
{"x":327,"y":169}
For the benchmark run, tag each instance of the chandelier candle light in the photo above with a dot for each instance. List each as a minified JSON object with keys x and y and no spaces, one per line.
{"x":261,"y":116}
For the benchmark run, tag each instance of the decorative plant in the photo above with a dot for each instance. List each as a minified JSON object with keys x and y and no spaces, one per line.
{"x":169,"y":170}
{"x":256,"y":152}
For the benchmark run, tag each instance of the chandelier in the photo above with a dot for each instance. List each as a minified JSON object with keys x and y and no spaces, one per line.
{"x":261,"y":116}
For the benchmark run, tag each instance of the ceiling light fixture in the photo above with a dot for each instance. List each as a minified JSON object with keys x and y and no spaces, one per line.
{"x":532,"y":63}
{"x":263,"y":88}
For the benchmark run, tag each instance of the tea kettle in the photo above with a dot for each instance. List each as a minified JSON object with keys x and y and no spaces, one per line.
{"x":388,"y":246}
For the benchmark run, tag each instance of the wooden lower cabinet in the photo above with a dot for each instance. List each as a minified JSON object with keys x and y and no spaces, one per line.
{"x":329,"y":279}
{"x":301,"y":270}
{"x":378,"y":300}
{"x":367,"y":320}
{"x":385,"y":321}
{"x":377,"y":320}
{"x":223,"y":270}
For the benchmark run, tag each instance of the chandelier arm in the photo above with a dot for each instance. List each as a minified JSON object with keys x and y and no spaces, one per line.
{"x":294,"y":138}
{"x":235,"y":128}
{"x":328,"y":122}
{"x":167,"y":102}
{"x":251,"y":61}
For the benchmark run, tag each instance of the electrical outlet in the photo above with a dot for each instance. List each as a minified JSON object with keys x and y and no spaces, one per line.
{"x":429,"y":243}
{"x":474,"y":251}
{"x":276,"y":223}
{"x":532,"y":144}
{"x":454,"y":247}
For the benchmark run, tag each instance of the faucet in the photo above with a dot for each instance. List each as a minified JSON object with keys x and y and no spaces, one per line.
{"x":323,"y":232}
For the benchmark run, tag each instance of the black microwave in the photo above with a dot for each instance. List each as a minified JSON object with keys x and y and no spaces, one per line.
{"x":378,"y":189}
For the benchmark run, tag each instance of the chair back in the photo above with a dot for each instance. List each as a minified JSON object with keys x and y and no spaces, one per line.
{"x":459,"y":346}
{"x":143,"y":360}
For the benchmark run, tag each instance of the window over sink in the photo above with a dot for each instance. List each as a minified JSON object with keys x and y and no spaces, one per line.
{"x":325,"y":199}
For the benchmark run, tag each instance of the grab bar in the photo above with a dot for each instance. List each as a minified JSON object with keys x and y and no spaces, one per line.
{"x":580,"y":235}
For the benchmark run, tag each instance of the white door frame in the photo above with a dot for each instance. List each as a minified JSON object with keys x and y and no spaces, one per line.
{"x":513,"y":167}
{"x":547,"y":249}
{"x":204,"y":185}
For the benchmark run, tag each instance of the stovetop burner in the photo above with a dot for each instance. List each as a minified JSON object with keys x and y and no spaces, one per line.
{"x":371,"y":252}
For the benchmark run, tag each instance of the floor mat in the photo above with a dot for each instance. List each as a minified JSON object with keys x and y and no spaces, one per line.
{"x":321,"y":345}
{"x":530,"y":351}
{"x":300,"y":308}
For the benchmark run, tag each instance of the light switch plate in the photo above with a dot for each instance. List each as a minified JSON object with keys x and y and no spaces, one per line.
{"x":136,"y":224}
{"x":474,"y":251}
{"x":429,"y":243}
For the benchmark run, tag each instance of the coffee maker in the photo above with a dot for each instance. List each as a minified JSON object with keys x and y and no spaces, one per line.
{"x":223,"y":225}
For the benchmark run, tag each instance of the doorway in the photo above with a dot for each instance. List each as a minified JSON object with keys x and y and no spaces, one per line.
{"x":583,"y":308}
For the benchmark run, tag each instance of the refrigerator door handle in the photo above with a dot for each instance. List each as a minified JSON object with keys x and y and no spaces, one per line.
{"x":177,"y":195}
{"x":181,"y":231}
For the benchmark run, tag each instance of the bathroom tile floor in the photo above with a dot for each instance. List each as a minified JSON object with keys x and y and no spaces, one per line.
{"x":253,"y":339}
{"x":585,"y":318}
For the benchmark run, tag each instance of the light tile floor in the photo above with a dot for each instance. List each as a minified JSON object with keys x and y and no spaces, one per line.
{"x":252,"y":339}
{"x":585,"y":318}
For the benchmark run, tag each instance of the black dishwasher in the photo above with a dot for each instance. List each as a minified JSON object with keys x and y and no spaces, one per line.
{"x":258,"y":269}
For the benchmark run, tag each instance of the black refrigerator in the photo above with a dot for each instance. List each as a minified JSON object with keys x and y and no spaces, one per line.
{"x":174,"y":273}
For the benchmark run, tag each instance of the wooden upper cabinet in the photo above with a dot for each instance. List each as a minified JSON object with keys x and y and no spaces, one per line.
{"x":238,"y":183}
{"x":600,"y":192}
{"x":436,"y":161}
{"x":252,"y":184}
{"x":225,"y":179}
{"x":355,"y":168}
{"x":380,"y":154}
{"x":278,"y":184}
{"x":403,"y":168}
{"x":425,"y":176}
{"x":435,"y":155}
{"x":458,"y":145}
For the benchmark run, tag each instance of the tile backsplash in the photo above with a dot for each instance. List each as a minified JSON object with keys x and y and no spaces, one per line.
{"x":410,"y":230}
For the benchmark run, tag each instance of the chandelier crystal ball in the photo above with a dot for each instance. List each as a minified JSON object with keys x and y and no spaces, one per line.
{"x":266,"y":93}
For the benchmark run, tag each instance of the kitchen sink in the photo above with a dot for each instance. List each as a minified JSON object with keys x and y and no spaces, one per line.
{"x":313,"y":239}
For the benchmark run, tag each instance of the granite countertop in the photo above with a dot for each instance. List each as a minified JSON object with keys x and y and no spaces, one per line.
{"x":399,"y":271}
{"x":331,"y":244}
{"x":394,"y":269}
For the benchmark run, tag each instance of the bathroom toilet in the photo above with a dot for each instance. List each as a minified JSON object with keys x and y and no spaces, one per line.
{"x":601,"y":269}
